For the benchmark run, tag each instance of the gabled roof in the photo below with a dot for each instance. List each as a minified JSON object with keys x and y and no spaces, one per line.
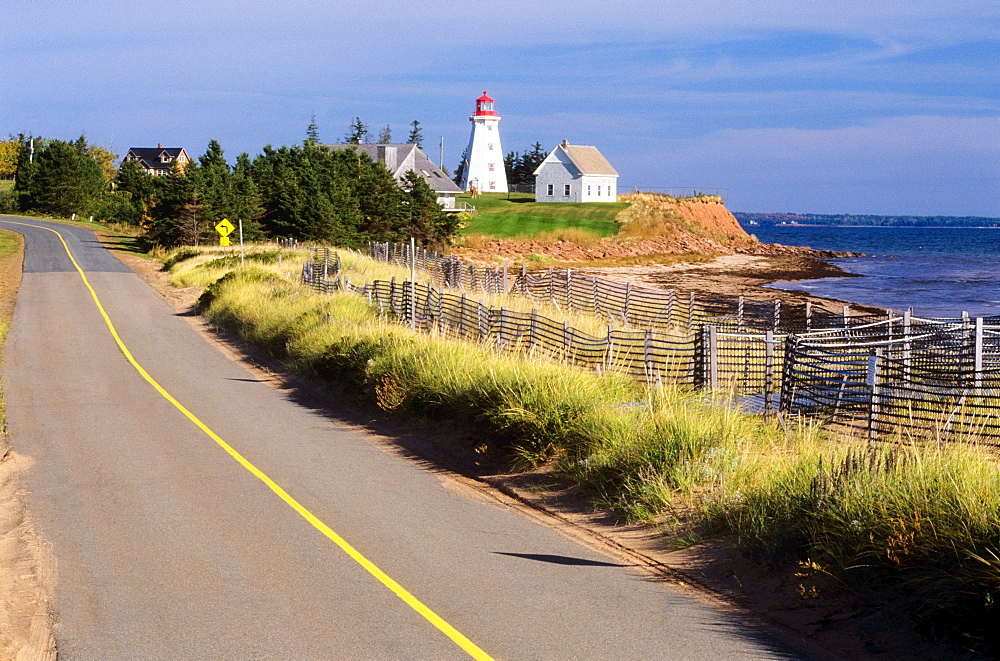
{"x":399,"y":158}
{"x":149,"y":157}
{"x":585,"y":158}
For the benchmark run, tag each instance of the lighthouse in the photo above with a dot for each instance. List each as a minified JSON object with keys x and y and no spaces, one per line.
{"x":483,"y":168}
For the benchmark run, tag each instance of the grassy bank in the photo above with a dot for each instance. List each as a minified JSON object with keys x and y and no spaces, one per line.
{"x":9,"y":245}
{"x":520,"y":216}
{"x":911,"y":527}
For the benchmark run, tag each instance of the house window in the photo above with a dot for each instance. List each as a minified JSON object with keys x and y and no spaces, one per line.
{"x":551,"y":190}
{"x":491,"y":146}
{"x":598,"y":191}
{"x":489,"y":127}
{"x":491,"y":167}
{"x":493,"y":185}
{"x":588,"y":190}
{"x":566,"y":189}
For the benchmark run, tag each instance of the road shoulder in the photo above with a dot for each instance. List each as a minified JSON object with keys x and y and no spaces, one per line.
{"x":27,"y":569}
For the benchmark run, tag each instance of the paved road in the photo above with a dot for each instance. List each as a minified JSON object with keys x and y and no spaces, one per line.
{"x":168,"y":548}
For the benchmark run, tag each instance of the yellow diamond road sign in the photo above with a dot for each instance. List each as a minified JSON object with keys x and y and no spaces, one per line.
{"x":224,"y":228}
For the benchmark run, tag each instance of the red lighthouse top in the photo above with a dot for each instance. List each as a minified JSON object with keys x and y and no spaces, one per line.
{"x":484,"y":106}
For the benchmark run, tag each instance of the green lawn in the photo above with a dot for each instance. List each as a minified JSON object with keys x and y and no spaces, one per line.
{"x":520,"y":216}
{"x":8,"y":244}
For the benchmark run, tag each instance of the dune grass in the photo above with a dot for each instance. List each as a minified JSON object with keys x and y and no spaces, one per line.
{"x":911,"y":524}
{"x":521,"y":217}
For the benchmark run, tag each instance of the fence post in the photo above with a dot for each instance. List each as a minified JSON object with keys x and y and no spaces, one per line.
{"x":978,"y":367}
{"x":413,"y":283}
{"x":768,"y":373}
{"x":739,"y":315}
{"x":552,"y":284}
{"x":712,"y":355}
{"x":569,"y":290}
{"x":628,"y":302}
{"x":609,"y":360}
{"x":776,"y":323}
{"x":524,"y":279}
{"x":461,"y":316}
{"x":906,"y":342}
{"x":479,"y":320}
{"x":500,"y":342}
{"x":506,"y":288}
{"x":647,"y":354}
{"x":593,"y":289}
{"x":809,"y":314}
{"x":690,"y":312}
{"x":566,"y":342}
{"x":847,"y":316}
{"x":874,"y":365}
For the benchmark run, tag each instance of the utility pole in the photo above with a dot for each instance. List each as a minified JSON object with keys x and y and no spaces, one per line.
{"x":441,"y":157}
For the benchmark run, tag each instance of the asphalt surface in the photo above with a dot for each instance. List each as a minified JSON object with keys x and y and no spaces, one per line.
{"x":167,"y":548}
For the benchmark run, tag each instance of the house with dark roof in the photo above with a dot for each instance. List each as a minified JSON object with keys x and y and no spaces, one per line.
{"x":575,"y":173}
{"x":401,"y":158}
{"x":159,"y":159}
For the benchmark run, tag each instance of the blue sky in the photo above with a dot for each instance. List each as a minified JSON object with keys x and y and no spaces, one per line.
{"x":882,"y":107}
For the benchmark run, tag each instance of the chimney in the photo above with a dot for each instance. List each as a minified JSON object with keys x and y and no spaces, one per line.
{"x":386,"y":155}
{"x":565,"y":144}
{"x":159,"y":145}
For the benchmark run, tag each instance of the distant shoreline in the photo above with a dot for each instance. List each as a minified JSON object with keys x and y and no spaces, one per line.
{"x":755,"y":219}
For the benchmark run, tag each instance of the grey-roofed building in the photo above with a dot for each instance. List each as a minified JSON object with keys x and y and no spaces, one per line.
{"x":575,"y":173}
{"x":401,"y":158}
{"x":159,"y":159}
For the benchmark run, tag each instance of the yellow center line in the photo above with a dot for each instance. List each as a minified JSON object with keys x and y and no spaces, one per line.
{"x":414,"y":603}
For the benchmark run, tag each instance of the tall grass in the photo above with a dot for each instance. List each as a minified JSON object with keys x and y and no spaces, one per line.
{"x":912,"y":524}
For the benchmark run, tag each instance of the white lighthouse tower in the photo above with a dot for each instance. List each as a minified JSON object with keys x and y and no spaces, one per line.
{"x":483,"y":168}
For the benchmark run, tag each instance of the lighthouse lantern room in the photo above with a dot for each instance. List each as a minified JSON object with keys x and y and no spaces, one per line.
{"x":483,"y":168}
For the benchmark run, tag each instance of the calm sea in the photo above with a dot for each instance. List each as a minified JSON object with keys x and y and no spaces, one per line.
{"x":939,"y":272}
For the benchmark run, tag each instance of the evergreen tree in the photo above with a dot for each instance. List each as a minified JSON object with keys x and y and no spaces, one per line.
{"x":177,"y":217}
{"x":312,"y":131}
{"x":463,"y":163}
{"x":356,"y":132}
{"x":65,"y":179}
{"x":137,"y":188}
{"x":511,"y":163}
{"x":385,"y":135}
{"x":416,"y":136}
{"x":247,"y":200}
{"x":428,"y":223}
{"x":521,"y":167}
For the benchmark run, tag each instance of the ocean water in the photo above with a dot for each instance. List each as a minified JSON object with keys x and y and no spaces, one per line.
{"x":940,"y":272}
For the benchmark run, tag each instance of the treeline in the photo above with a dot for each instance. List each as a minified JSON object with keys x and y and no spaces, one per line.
{"x":305,"y":191}
{"x":520,"y":168}
{"x":833,"y":220}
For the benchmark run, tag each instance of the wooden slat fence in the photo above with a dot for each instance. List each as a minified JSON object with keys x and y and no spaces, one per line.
{"x":896,"y":374}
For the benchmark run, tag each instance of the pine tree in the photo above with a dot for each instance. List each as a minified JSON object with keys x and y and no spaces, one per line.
{"x":428,"y":223}
{"x":356,"y":132}
{"x":65,"y":179}
{"x":312,"y":131}
{"x":385,"y":135}
{"x":460,"y":170}
{"x":416,"y":136}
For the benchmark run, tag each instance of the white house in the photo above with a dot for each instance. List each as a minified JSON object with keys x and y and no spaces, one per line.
{"x":575,"y":173}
